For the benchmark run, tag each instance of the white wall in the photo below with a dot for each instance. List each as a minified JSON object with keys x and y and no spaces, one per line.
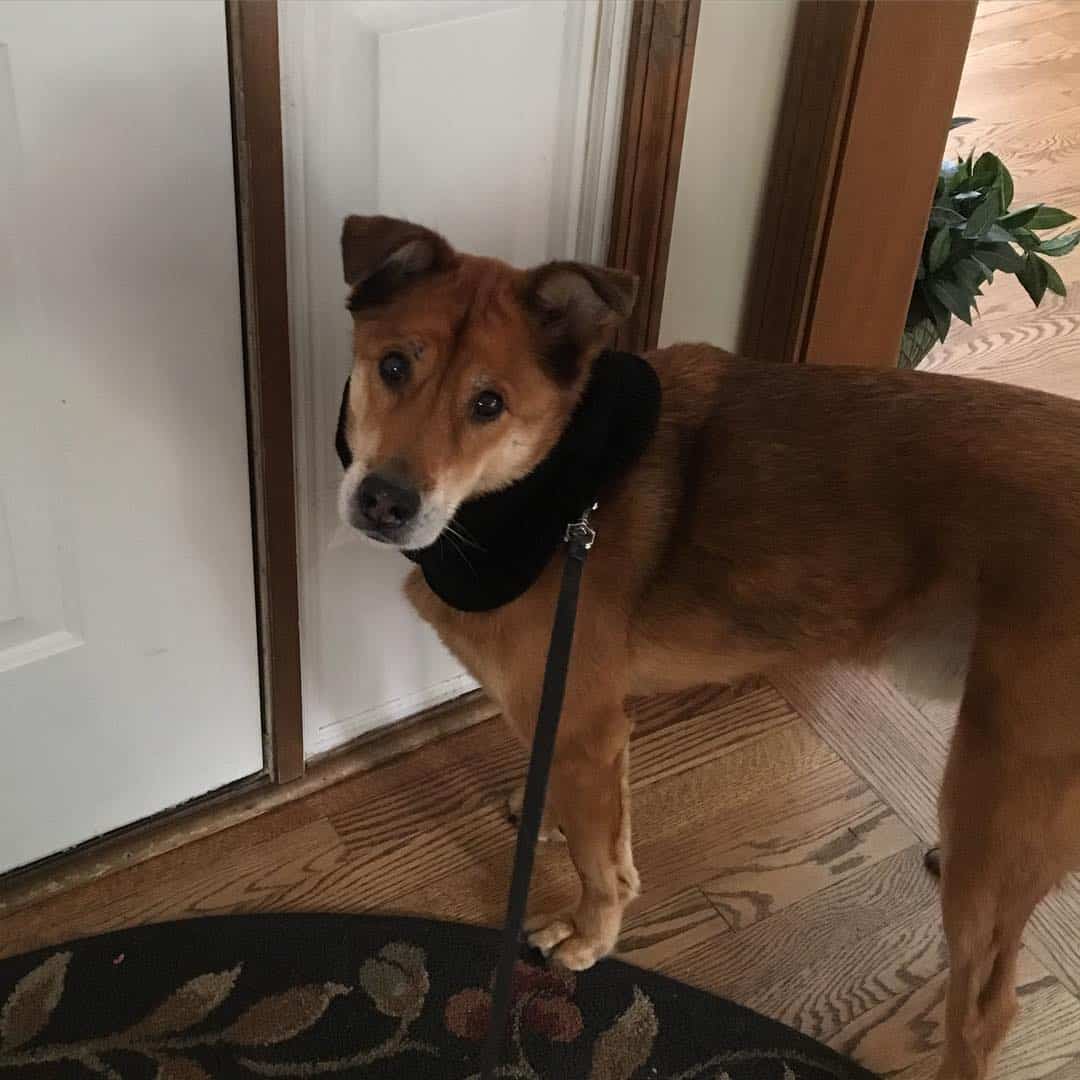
{"x":739,"y":68}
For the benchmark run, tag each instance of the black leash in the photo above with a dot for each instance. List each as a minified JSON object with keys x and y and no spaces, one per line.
{"x":579,"y":539}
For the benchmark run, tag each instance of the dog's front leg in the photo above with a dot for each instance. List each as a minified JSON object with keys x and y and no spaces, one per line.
{"x":590,"y":797}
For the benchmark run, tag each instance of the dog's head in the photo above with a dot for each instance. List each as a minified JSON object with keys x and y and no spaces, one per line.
{"x":465,"y":372}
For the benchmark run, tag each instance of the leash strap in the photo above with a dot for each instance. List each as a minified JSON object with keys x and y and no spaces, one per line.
{"x":579,"y":539}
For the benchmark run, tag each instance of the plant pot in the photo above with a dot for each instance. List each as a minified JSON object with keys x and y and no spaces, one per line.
{"x":916,"y":343}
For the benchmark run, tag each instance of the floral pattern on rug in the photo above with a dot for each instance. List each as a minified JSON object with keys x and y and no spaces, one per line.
{"x":412,"y":1008}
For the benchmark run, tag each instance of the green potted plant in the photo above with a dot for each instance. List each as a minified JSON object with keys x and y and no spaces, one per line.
{"x":973,"y":232}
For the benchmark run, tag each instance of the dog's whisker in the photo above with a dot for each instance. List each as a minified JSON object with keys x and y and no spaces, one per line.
{"x":453,"y":538}
{"x":464,"y":535}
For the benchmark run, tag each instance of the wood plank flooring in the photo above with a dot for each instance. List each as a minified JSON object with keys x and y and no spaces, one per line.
{"x":1022,"y":83}
{"x":773,"y":873}
{"x":779,"y":828}
{"x":781,"y":864}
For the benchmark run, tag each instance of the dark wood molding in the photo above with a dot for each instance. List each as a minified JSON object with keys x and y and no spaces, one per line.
{"x":825,"y":50}
{"x":256,"y":103}
{"x":869,"y":92}
{"x":659,"y":68}
{"x":905,"y":89}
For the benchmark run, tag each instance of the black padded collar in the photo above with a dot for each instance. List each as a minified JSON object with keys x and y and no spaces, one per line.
{"x":511,"y":535}
{"x":505,"y":539}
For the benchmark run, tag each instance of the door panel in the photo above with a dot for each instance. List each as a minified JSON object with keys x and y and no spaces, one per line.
{"x":494,"y":122}
{"x":128,"y":658}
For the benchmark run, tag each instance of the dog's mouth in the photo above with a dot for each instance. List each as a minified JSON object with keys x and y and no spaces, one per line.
{"x":403,"y":538}
{"x":381,"y":536}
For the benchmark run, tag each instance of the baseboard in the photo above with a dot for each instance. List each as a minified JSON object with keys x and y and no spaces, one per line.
{"x":232,"y":806}
{"x":344,"y":732}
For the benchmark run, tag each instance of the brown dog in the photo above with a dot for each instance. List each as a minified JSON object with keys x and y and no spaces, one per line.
{"x":779,"y":512}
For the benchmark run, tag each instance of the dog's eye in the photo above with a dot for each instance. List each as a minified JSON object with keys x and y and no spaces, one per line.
{"x":394,"y":368}
{"x":487,"y":406}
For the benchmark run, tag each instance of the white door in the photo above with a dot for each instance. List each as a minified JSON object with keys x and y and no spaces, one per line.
{"x":493,"y":121}
{"x":128,"y":661}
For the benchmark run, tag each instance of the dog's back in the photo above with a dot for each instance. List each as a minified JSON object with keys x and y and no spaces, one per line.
{"x":815,"y":504}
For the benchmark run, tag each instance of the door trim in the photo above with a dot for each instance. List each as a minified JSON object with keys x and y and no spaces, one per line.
{"x":257,"y":142}
{"x":825,"y":48}
{"x":659,"y":69}
{"x":871,"y":86}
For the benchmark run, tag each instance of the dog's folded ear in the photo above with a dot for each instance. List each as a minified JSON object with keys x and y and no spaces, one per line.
{"x":576,"y":306}
{"x":381,"y":255}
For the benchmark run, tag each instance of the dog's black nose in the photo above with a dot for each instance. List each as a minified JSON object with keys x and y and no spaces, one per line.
{"x":386,"y":504}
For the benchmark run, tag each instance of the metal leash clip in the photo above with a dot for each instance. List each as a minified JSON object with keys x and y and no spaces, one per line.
{"x":580,"y":532}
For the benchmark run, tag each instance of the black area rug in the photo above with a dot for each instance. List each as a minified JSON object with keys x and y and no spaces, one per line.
{"x":351,"y":996}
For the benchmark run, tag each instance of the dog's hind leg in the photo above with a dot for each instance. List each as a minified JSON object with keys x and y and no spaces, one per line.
{"x":1008,"y":828}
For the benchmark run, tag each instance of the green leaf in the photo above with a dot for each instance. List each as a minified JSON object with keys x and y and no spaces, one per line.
{"x":960,"y":121}
{"x":987,"y":273}
{"x":987,"y":170}
{"x":1020,"y":217}
{"x":1053,"y":278}
{"x":1000,"y":257}
{"x":1026,"y":239}
{"x":1050,"y":217}
{"x":1033,"y":278}
{"x":984,"y":215}
{"x":943,"y":215}
{"x":938,"y":312}
{"x":919,"y":338}
{"x":939,"y":249}
{"x":995,"y":234}
{"x":970,"y":274}
{"x":1005,"y":186}
{"x":1059,"y":245}
{"x":990,"y":173}
{"x":954,"y":298}
{"x":967,"y":195}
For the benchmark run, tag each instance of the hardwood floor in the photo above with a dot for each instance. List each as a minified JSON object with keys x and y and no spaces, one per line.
{"x":1022,"y":83}
{"x":779,"y":834}
{"x":779,"y":829}
{"x":773,"y":873}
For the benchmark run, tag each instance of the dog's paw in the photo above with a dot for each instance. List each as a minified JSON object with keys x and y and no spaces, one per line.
{"x":559,"y":940}
{"x":579,"y":953}
{"x":547,"y":932}
{"x":548,"y":832}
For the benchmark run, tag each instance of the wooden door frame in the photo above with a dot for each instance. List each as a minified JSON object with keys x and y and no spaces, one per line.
{"x":865,"y":115}
{"x":260,"y":206}
{"x":659,"y":66}
{"x":660,"y":63}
